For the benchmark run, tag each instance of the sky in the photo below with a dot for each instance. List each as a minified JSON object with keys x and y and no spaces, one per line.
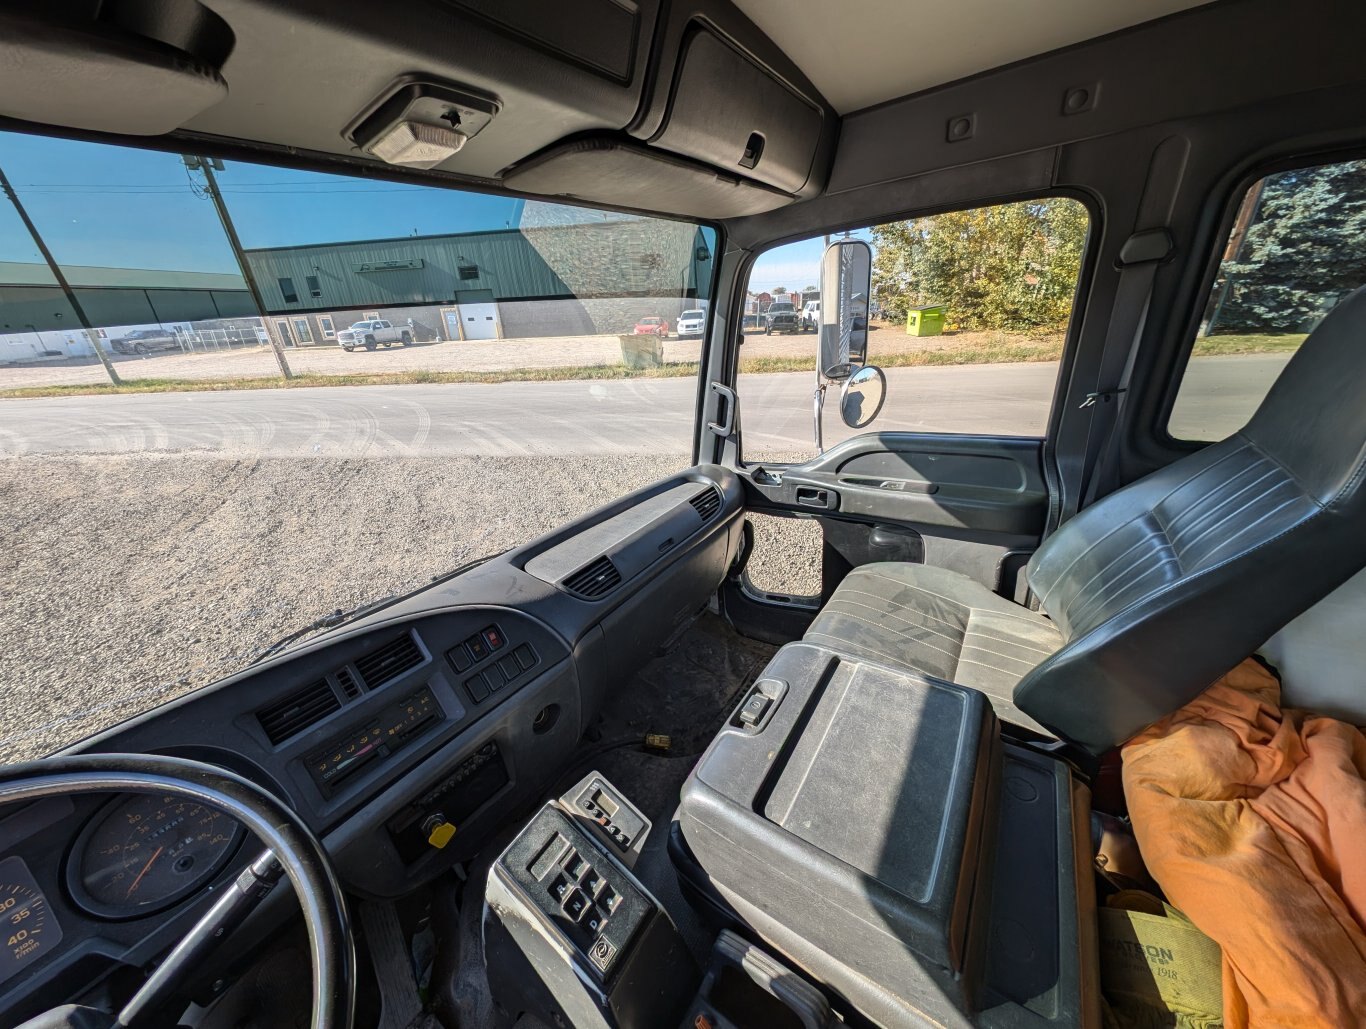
{"x":96,"y":204}
{"x":103,"y":205}
{"x":793,"y":265}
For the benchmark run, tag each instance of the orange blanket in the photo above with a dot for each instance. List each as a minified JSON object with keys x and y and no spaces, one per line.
{"x":1253,"y":821}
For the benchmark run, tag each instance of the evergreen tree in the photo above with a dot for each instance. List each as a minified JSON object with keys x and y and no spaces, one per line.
{"x":1304,"y":250}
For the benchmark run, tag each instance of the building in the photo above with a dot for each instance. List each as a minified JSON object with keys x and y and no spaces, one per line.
{"x":552,"y":280}
{"x":37,"y":321}
{"x":536,"y":281}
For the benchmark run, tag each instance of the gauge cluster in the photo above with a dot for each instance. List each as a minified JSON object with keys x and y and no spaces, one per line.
{"x":145,"y":852}
{"x":28,"y":928}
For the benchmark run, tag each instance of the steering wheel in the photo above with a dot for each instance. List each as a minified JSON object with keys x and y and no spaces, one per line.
{"x":291,"y":848}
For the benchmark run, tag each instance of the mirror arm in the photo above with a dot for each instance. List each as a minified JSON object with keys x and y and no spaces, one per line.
{"x":818,"y":404}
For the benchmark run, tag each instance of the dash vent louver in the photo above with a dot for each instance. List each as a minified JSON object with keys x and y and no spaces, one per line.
{"x":594,"y":580}
{"x":707,"y":503}
{"x":348,"y":683}
{"x":287,"y":718}
{"x":389,"y":661}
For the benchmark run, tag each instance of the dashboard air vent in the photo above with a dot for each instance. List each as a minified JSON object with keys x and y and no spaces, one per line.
{"x":707,"y":503}
{"x":348,"y":683}
{"x":594,"y":580}
{"x":389,"y":661}
{"x":289,"y":717}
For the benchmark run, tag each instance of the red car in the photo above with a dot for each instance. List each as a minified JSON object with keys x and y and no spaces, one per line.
{"x":652,"y":327}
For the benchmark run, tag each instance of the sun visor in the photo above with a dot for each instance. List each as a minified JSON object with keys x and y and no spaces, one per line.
{"x":139,"y":69}
{"x":607,"y":171}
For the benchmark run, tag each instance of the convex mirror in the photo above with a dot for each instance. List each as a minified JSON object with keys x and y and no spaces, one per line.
{"x":862,"y":397}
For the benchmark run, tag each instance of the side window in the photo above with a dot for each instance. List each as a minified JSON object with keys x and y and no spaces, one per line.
{"x":968,"y":315}
{"x":287,"y":290}
{"x":1295,"y":250}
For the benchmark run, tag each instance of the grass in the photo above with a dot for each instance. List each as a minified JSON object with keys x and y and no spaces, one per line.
{"x":994,"y":348}
{"x":1217,"y":346}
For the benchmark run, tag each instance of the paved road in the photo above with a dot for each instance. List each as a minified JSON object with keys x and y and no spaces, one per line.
{"x":551,"y":418}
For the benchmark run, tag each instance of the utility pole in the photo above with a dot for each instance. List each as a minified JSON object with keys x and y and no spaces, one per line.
{"x":205,"y":164}
{"x":92,"y":334}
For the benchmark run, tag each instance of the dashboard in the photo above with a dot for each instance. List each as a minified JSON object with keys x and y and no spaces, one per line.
{"x":404,"y":739}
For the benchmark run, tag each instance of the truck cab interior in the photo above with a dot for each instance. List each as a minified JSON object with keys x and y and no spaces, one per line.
{"x":602,"y":779}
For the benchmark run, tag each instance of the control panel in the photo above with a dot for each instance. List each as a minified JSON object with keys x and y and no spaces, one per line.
{"x":588,"y":897}
{"x":391,"y":729}
{"x":608,"y":816}
{"x":570,"y":934}
{"x":489,"y":663}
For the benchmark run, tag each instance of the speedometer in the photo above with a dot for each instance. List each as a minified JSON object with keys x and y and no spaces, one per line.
{"x":27,"y":928}
{"x":145,"y":852}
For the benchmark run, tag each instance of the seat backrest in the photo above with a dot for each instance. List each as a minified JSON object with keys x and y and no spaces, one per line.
{"x":1165,"y":585}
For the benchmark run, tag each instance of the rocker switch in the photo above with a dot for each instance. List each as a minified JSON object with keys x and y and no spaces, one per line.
{"x":755,"y":707}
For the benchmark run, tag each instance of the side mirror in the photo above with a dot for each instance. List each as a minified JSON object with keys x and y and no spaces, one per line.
{"x":846,"y":284}
{"x":862,"y":397}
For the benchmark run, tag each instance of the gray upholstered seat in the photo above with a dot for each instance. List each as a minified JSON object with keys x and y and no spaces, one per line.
{"x":1161,"y":587}
{"x":940,"y":623}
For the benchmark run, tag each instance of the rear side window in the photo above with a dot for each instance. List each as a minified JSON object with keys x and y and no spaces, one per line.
{"x":1297,"y":247}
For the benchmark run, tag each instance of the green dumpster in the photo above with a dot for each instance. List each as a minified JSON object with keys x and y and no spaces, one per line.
{"x":925,"y":321}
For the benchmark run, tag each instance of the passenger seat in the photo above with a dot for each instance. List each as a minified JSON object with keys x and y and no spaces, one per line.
{"x":941,"y":623}
{"x":1159,"y":588}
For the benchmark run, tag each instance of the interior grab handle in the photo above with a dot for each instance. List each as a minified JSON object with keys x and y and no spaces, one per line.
{"x":723,"y":428}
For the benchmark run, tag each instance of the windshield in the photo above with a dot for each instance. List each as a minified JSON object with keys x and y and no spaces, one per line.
{"x":195,"y":463}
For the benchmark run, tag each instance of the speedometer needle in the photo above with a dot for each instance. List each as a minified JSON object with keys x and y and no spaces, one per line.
{"x":145,"y":869}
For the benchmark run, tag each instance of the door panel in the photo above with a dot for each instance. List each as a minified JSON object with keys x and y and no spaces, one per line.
{"x":975,"y":504}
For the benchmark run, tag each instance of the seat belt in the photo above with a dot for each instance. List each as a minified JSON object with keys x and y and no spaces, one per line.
{"x":1138,"y":260}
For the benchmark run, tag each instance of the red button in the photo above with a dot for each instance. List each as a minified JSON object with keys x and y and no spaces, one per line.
{"x":493,"y":638}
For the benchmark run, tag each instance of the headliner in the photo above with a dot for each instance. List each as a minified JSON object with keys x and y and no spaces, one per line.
{"x":863,"y":52}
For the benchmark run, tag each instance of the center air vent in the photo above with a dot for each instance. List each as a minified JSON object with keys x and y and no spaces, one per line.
{"x":348,"y":683}
{"x":389,"y":661}
{"x":594,"y":580}
{"x":302,"y":708}
{"x":707,"y":503}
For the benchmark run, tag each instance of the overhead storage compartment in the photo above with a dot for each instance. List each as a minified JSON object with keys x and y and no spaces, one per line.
{"x":727,"y":110}
{"x":605,"y":170}
{"x":600,"y":34}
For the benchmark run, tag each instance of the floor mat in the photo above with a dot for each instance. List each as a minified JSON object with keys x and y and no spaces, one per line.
{"x":687,"y":692}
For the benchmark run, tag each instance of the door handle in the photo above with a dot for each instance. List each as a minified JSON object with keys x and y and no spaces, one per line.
{"x":813,"y":496}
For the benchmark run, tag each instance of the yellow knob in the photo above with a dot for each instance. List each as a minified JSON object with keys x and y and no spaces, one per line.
{"x":441,"y":834}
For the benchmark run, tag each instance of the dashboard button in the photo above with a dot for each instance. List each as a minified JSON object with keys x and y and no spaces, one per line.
{"x":478,"y":687}
{"x":493,"y":636}
{"x":575,"y":904}
{"x":478,"y":647}
{"x":460,"y":658}
{"x":508,"y":666}
{"x":526,"y":657}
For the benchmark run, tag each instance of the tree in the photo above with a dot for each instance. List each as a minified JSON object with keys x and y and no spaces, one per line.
{"x":1304,"y":249}
{"x":1013,"y":266}
{"x":779,"y":290}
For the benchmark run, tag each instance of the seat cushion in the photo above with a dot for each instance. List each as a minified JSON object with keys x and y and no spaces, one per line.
{"x":939,"y":623}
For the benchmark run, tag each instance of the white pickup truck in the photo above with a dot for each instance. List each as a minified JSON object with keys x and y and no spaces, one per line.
{"x":373,"y":334}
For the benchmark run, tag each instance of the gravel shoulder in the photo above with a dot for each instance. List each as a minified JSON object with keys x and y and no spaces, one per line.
{"x":133,"y":579}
